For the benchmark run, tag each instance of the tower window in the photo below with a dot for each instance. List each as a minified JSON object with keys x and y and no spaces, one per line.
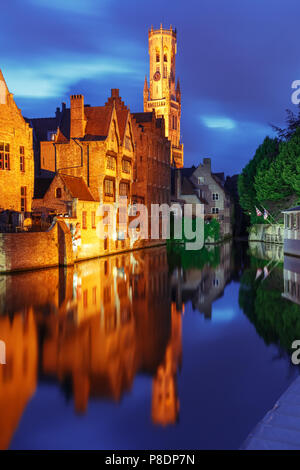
{"x":165,"y":58}
{"x":165,"y":71}
{"x":157,"y":57}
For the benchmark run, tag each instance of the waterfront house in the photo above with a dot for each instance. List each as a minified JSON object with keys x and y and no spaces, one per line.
{"x":16,"y":156}
{"x":199,"y":185}
{"x":292,"y":231}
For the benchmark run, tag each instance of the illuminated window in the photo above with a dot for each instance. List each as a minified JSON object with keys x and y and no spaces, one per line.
{"x":93,"y":216}
{"x":110,"y":163}
{"x":105,"y":244}
{"x":126,"y":166}
{"x":85,"y":298}
{"x":22,"y":159}
{"x":23,"y":199}
{"x":109,"y":187}
{"x":200,"y":179}
{"x":84,"y":220}
{"x":94,"y":295}
{"x":128,"y":145}
{"x":124,"y":189}
{"x":4,"y":156}
{"x":58,"y":193}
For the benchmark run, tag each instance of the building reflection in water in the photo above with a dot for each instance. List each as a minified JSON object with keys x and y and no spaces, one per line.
{"x":92,"y":328}
{"x":203,"y":279}
{"x":291,"y":279}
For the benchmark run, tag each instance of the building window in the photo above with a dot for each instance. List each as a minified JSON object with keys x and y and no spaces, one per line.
{"x":23,"y":199}
{"x":128,"y":145}
{"x":109,"y":187}
{"x":165,"y":58}
{"x":110,"y":163}
{"x":85,"y":298}
{"x":126,"y":166}
{"x":201,"y":180}
{"x":215,"y":196}
{"x":105,"y":244}
{"x":124,"y":189}
{"x":84,"y":220}
{"x":157,"y":56}
{"x":22,"y":159}
{"x":215,"y":210}
{"x":94,"y":295}
{"x":58,"y":193}
{"x":93,"y":215}
{"x":4,"y":156}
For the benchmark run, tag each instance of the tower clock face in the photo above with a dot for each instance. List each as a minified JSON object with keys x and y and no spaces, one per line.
{"x":156,"y":76}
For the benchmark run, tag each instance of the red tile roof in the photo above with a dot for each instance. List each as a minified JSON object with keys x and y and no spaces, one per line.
{"x":77,"y":187}
{"x":98,"y":120}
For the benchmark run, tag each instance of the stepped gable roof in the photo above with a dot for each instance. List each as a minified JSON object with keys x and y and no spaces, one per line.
{"x":77,"y":187}
{"x":121,"y":109}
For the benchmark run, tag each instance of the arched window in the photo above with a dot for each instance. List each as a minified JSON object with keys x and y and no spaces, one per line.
{"x":157,"y":55}
{"x":165,"y":58}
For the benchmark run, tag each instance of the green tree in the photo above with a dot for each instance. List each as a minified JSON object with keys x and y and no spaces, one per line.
{"x":261,"y":161}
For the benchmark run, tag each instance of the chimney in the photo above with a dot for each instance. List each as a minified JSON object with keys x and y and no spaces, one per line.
{"x":177,"y":183}
{"x":77,"y":124}
{"x":57,"y":113}
{"x":115,"y":92}
{"x":207,"y":163}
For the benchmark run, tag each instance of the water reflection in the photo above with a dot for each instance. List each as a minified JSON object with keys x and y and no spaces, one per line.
{"x":269,"y":295}
{"x":92,"y":329}
{"x":200,"y":277}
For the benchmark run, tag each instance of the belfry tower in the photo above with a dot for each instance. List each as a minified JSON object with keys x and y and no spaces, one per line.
{"x":162,"y":95}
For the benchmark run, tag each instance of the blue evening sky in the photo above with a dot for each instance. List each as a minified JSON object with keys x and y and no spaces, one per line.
{"x":236,"y":61}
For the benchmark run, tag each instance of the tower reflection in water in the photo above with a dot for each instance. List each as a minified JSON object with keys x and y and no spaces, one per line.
{"x":92,"y":328}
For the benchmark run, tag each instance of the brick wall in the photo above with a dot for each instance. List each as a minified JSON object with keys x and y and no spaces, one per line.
{"x":17,"y":133}
{"x":31,"y":250}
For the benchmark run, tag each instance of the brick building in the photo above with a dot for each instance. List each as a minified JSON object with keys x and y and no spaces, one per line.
{"x":152,"y":167}
{"x":16,"y":155}
{"x":199,"y":185}
{"x":114,"y":152}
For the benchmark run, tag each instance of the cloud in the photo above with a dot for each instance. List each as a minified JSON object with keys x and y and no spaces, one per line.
{"x":82,"y":7}
{"x":218,"y":122}
{"x":52,"y":78}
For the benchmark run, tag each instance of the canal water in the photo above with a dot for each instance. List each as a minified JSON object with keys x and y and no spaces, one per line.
{"x":153,"y":349}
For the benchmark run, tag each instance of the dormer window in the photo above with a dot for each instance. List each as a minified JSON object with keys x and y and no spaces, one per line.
{"x":200,"y":179}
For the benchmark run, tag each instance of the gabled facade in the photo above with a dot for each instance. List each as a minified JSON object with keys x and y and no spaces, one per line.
{"x":16,"y":155}
{"x":199,"y":185}
{"x":95,"y":143}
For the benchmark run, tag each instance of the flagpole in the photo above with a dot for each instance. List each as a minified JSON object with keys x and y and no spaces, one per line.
{"x":269,"y":215}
